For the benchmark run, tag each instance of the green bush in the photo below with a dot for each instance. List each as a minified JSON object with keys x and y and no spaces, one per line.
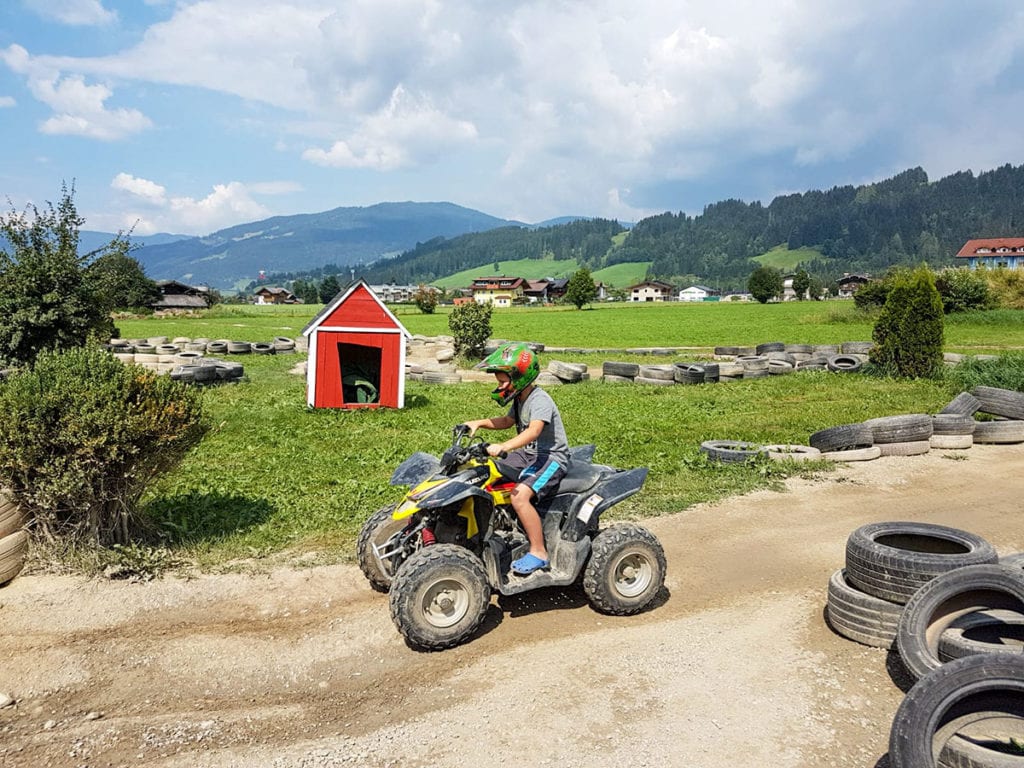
{"x":1007,"y":287}
{"x":909,"y":333}
{"x":425,"y":299}
{"x":963,"y":289}
{"x":872,"y":295}
{"x":1006,"y":372}
{"x":765,"y":283}
{"x":470,"y":325}
{"x":84,"y":435}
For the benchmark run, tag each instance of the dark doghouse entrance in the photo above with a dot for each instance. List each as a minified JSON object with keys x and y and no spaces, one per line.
{"x":360,"y":373}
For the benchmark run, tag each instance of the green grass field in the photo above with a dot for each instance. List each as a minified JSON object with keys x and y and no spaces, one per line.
{"x":622,"y":275}
{"x":531,"y":269}
{"x":782,"y":258}
{"x":616,"y":325}
{"x":274,"y":479}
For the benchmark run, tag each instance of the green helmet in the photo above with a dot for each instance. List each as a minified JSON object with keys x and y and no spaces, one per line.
{"x":517,"y":360}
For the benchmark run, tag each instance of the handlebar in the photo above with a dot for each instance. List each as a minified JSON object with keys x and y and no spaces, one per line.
{"x":461,"y":431}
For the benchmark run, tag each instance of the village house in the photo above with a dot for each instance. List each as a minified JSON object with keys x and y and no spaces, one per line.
{"x":498,"y":291}
{"x":650,"y":290}
{"x":179,"y":296}
{"x":272,"y":294}
{"x":697,"y":293}
{"x":849,"y":284}
{"x":995,"y":252}
{"x":399,"y":294}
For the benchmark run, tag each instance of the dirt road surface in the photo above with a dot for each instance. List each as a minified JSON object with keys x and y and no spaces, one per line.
{"x":734,"y":667}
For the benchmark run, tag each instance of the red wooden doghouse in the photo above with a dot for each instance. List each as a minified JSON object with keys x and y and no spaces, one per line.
{"x":356,"y":353}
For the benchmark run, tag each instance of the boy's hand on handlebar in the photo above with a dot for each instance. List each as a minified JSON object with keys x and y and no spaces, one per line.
{"x":495,"y":450}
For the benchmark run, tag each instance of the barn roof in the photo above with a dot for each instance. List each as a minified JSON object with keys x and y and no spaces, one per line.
{"x":342,"y":297}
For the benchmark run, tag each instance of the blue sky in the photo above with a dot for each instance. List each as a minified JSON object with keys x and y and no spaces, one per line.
{"x":189,"y":116}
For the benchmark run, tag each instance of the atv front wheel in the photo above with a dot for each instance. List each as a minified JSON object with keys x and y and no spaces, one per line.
{"x":378,"y":529}
{"x":439,"y":596}
{"x":626,"y":570}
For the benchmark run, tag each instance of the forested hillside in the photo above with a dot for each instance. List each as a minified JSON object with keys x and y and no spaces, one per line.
{"x":902,"y":220}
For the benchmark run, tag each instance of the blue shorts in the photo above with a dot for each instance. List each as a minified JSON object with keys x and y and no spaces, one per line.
{"x":539,"y":473}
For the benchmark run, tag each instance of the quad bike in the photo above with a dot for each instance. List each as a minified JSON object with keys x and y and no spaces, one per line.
{"x":451,"y":541}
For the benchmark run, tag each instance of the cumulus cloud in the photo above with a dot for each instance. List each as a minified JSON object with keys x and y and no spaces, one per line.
{"x":548,"y":106}
{"x":7,"y":101}
{"x":77,"y":13}
{"x":146,"y":207}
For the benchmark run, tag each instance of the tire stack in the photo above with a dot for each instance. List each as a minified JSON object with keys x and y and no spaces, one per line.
{"x":559,"y":372}
{"x":886,"y":564}
{"x":13,"y":538}
{"x":1007,"y":406}
{"x":846,"y":442}
{"x":902,"y":435}
{"x":656,"y":375}
{"x":619,"y":373}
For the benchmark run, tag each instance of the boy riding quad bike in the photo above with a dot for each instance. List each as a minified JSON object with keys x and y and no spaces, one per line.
{"x":451,"y":541}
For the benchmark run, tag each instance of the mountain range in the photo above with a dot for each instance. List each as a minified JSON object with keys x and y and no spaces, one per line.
{"x":342,"y":237}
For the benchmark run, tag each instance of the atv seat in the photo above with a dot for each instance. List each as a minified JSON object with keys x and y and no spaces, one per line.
{"x":582,"y":476}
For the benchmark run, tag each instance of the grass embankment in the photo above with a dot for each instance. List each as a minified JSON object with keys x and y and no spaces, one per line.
{"x":273,"y":476}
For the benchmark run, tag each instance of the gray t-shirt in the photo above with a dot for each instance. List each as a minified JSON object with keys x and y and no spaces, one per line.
{"x":552,"y":442}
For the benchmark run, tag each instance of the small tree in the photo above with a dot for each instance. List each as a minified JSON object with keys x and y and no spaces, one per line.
{"x":470,"y":324}
{"x":765,"y":283}
{"x":83,"y":437}
{"x":581,"y":288}
{"x":425,"y":299}
{"x":46,"y":300}
{"x":329,"y":288}
{"x":909,"y":333}
{"x":120,"y":281}
{"x":962,"y":289}
{"x":801,"y":284}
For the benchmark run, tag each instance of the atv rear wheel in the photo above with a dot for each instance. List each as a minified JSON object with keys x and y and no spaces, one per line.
{"x":378,"y":529}
{"x":439,"y":596}
{"x":626,"y":570}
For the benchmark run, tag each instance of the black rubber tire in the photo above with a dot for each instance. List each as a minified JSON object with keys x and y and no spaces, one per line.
{"x":940,"y":602}
{"x":626,"y":570}
{"x":770,"y":346}
{"x":13,"y":549}
{"x":263,"y":348}
{"x":565,"y":371}
{"x":620,"y":369}
{"x":752,"y":363}
{"x":662,"y":372}
{"x":844,"y":364}
{"x":953,"y":692}
{"x":780,"y":367}
{"x":893,"y":560}
{"x":965,"y":404}
{"x":1000,"y":402}
{"x":984,"y":752}
{"x":439,"y":596}
{"x":1016,"y":560}
{"x":688,"y":373}
{"x":711,"y":371}
{"x":11,"y":516}
{"x":842,"y":438}
{"x":982,"y":632}
{"x":377,"y":529}
{"x":911,"y":448}
{"x":999,"y":432}
{"x":903,"y":428}
{"x":730,"y":451}
{"x":952,"y":424}
{"x":860,"y":617}
{"x":726,"y":351}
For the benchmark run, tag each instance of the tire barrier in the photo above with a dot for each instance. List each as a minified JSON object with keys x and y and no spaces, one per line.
{"x":893,"y":560}
{"x":730,"y":451}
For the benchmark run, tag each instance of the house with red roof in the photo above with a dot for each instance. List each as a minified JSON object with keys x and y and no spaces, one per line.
{"x":1007,"y":252}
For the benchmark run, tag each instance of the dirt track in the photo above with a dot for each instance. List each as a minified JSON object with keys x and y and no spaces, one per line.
{"x":735,"y":667}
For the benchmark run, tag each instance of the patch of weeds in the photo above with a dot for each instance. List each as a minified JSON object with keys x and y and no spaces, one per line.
{"x":954,"y":456}
{"x":138,"y":562}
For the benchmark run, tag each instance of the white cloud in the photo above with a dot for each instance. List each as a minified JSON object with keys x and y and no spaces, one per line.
{"x":408,"y":131}
{"x":7,"y":101}
{"x":79,"y":109}
{"x":146,"y":207}
{"x":78,"y":13}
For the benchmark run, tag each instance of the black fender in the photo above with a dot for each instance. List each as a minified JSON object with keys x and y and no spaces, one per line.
{"x":415,"y":469}
{"x":582,"y":453}
{"x":455,"y":493}
{"x":586,"y":509}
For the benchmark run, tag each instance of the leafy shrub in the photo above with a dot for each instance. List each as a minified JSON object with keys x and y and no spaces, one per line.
{"x":1006,"y":372}
{"x":425,"y":299}
{"x":765,"y":283}
{"x":909,"y":332}
{"x":872,"y":295}
{"x":470,"y":325}
{"x":1007,"y":287}
{"x":963,"y":289}
{"x":84,"y":435}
